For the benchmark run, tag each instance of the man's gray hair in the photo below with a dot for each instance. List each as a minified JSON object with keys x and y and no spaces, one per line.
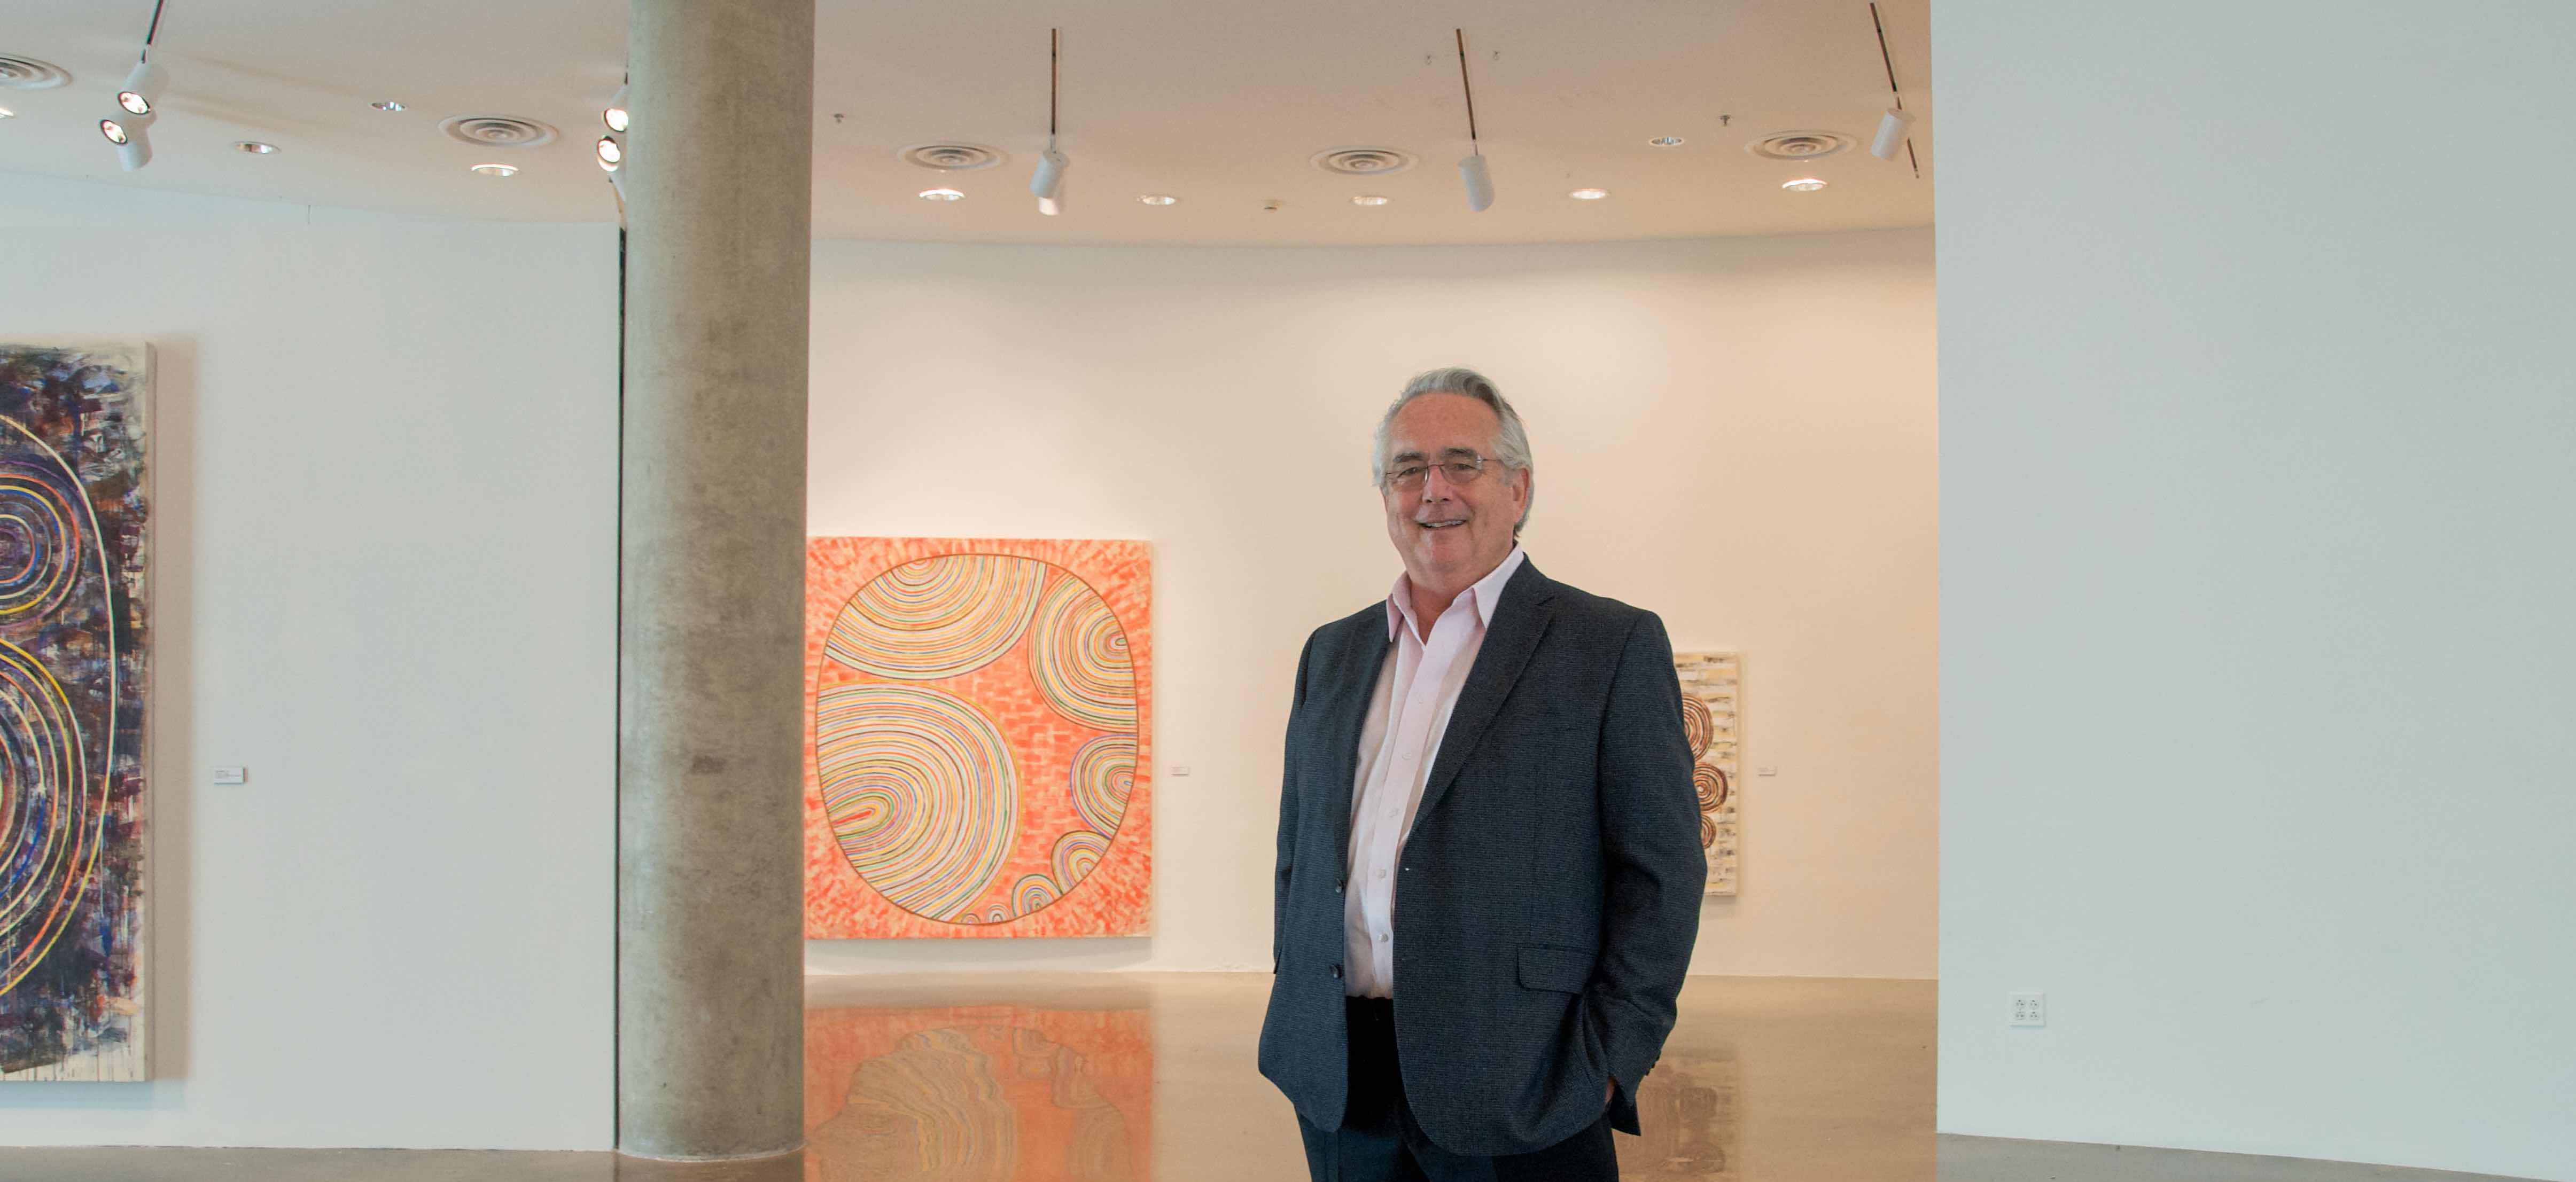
{"x":1511,"y":444}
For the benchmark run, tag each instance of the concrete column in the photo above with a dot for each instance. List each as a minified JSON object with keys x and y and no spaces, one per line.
{"x":710,"y":988}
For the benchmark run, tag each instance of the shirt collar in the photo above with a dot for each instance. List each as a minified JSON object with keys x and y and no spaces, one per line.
{"x":1487,"y":593}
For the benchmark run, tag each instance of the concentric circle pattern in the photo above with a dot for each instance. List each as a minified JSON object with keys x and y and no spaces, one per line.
{"x":1032,"y":893}
{"x":1697,"y":726}
{"x":938,"y":617}
{"x":50,"y":813}
{"x":1079,"y":659}
{"x":1076,"y":853}
{"x":41,"y":542}
{"x":921,"y":792}
{"x":1104,"y":773}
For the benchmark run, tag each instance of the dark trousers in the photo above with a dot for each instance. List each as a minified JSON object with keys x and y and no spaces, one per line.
{"x":1378,"y":1141}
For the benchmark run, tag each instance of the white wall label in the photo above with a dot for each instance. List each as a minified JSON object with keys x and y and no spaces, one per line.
{"x":232,"y":775}
{"x":1181,"y":770}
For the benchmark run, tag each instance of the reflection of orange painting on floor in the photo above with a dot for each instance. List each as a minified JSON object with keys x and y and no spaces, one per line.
{"x":978,"y":1094}
{"x":979,"y":729}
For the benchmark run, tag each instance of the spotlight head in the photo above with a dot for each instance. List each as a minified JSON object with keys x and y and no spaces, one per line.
{"x":610,"y":152}
{"x":142,"y":88}
{"x":1480,"y":182}
{"x":1048,"y":184}
{"x":132,"y":150}
{"x":615,"y":116}
{"x":1892,"y":128}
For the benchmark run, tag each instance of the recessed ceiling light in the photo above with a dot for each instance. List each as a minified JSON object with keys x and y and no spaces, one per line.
{"x":1368,"y":199}
{"x":1666,"y":141}
{"x":255,"y":148}
{"x":1159,"y":199}
{"x":1589,"y":194}
{"x":114,"y":131}
{"x":497,"y":169}
{"x":941,"y":195}
{"x":1804,"y":184}
{"x":610,"y":152}
{"x":388,"y":106}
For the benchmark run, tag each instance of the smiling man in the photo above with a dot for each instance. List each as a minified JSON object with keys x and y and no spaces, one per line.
{"x":1489,"y":866}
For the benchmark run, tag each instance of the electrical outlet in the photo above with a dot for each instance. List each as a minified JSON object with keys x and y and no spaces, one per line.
{"x":2030,"y":1009}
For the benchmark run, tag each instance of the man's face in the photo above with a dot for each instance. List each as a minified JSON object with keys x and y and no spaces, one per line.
{"x":1450,"y":533}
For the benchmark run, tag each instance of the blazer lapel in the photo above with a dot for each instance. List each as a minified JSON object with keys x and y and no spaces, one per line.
{"x":1519,"y":620}
{"x":1355,"y":674}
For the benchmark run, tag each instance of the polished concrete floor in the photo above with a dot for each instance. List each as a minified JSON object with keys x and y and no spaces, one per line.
{"x":1150,"y":1076}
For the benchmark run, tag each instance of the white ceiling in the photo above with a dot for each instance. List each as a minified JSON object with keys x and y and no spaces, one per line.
{"x":1220,"y":103}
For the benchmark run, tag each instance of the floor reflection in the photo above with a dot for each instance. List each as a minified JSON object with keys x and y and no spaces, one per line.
{"x":1686,"y":1114}
{"x":978,"y":1094}
{"x":959,"y":1078}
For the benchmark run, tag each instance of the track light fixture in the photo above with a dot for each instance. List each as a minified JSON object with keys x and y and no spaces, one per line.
{"x":1472,"y":171}
{"x":1048,"y":184}
{"x":610,"y":149}
{"x":1895,"y":127}
{"x":137,"y":103}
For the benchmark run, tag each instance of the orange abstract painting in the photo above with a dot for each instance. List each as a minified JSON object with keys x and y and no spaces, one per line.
{"x":979,"y":726}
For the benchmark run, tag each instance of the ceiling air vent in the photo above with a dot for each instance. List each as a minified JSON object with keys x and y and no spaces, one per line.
{"x":26,"y":73}
{"x":950,"y":157}
{"x":1363,"y":161}
{"x":498,"y":131}
{"x":1799,"y":145}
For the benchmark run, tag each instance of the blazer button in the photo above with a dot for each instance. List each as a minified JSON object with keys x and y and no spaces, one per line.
{"x":1337,"y":888}
{"x":1337,"y":972}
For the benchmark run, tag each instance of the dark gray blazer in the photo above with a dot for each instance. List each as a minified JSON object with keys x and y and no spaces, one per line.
{"x":1549,"y":892}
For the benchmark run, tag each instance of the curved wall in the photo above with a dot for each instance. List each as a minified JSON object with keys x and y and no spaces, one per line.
{"x":1736,"y":433}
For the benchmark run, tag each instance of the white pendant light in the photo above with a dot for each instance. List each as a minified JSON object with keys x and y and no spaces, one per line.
{"x":1892,"y":128}
{"x":138,"y":104}
{"x":1472,"y":171}
{"x":1479,"y":181}
{"x":1048,"y":185}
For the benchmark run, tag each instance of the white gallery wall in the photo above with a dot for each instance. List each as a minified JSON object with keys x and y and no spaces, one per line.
{"x":383,"y":580}
{"x":2258,"y":452}
{"x":1737,"y":434}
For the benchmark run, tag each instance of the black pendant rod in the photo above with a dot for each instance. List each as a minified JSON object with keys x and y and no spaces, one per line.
{"x":1468,"y":87}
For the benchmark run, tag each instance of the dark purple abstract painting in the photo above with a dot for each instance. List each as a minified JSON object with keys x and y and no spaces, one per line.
{"x":72,"y":665}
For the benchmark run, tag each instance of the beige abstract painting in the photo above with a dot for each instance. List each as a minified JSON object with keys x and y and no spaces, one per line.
{"x":1711,"y":684}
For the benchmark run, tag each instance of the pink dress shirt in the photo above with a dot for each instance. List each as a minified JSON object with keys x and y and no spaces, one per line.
{"x":1408,"y":712}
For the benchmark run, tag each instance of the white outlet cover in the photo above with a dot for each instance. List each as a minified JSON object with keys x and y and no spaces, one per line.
{"x":232,"y":775}
{"x":2030,"y":1009}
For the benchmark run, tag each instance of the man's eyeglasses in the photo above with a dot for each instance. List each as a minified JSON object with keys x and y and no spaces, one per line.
{"x":1408,"y":476}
